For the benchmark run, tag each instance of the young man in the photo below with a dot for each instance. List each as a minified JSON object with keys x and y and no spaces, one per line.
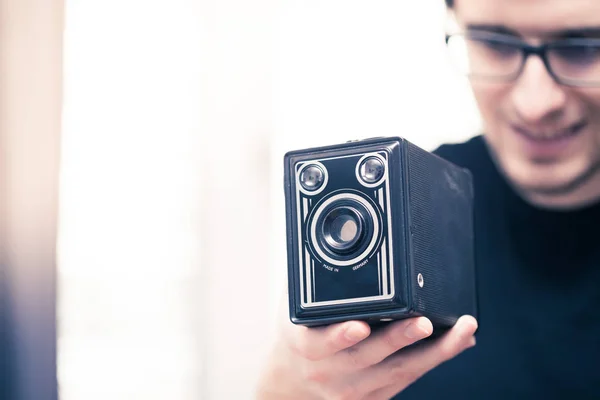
{"x":534,"y":66}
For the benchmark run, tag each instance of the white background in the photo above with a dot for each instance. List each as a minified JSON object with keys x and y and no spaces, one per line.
{"x":176,"y":118}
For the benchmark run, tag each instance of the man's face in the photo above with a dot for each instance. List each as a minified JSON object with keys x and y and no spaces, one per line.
{"x":545,"y":136}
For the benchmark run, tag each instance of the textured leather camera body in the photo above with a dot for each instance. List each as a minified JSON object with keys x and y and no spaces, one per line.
{"x":378,"y":230}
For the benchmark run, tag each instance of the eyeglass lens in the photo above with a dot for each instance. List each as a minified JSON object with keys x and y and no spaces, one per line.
{"x":575,"y":61}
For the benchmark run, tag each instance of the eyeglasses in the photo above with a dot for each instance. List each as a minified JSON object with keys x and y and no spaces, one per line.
{"x":497,"y":57}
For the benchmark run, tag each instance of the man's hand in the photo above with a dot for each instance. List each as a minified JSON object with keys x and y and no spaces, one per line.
{"x":349,"y":361}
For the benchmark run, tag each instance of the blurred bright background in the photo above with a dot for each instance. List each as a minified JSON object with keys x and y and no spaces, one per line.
{"x":175,"y":121}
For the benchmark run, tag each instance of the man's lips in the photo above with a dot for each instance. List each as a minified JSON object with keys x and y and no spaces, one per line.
{"x":547,"y":135}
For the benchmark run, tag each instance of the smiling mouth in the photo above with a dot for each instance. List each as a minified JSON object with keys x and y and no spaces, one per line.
{"x":550,"y":136}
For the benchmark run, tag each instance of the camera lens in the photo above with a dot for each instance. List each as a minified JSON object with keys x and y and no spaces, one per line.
{"x":371,"y":169}
{"x":312,"y":177}
{"x":342,"y":229}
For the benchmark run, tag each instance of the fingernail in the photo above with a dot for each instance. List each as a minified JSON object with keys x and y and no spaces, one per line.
{"x":467,"y":319}
{"x":355,"y":333}
{"x":472,"y":342}
{"x":418,"y":329}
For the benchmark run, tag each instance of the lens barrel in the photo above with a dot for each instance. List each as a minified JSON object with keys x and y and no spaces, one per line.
{"x":344,"y":230}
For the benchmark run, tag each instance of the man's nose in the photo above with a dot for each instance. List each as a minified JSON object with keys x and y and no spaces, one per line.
{"x":536,"y":96}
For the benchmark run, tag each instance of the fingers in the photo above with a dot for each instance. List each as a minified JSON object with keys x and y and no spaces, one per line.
{"x":348,"y":359}
{"x":322,"y":342}
{"x":396,"y":373}
{"x":381,"y":344}
{"x":458,"y":339}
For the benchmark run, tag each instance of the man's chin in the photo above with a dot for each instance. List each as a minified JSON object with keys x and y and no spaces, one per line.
{"x":545,"y":183}
{"x":547,"y":188}
{"x":551,"y":181}
{"x":555,"y":185}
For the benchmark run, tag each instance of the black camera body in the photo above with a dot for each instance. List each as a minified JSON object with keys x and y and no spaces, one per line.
{"x":378,"y":230}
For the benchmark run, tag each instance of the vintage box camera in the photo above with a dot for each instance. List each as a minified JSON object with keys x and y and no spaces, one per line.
{"x":378,"y":230}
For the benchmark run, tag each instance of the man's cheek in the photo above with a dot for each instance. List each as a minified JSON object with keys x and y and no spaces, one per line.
{"x":490,"y":102}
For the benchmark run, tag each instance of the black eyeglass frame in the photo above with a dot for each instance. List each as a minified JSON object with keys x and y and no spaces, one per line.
{"x":529,"y":50}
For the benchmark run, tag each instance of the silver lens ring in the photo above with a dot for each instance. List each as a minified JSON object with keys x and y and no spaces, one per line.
{"x":313,"y":228}
{"x":312,"y":178}
{"x":371,"y":170}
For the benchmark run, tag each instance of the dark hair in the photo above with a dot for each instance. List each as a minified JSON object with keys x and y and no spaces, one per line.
{"x":449,"y":3}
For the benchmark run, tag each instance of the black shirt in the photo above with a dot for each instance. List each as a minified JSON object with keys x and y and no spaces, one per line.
{"x":538,"y":277}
